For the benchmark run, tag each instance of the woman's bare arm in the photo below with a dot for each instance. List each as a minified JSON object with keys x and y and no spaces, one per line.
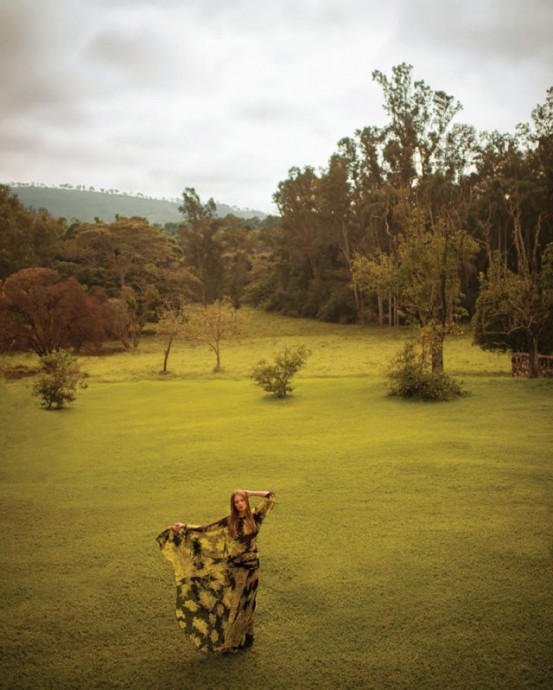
{"x":199,"y":528}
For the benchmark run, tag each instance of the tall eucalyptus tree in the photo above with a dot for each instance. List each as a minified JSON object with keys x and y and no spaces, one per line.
{"x":201,"y":243}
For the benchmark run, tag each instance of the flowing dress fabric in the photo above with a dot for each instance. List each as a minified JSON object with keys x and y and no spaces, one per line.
{"x":217,"y":577}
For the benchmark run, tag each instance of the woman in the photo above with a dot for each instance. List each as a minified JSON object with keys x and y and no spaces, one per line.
{"x":217,"y":572}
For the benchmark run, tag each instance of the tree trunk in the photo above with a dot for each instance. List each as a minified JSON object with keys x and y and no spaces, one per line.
{"x":533,"y":357}
{"x":166,"y":355}
{"x":358,"y":302}
{"x":432,"y":341}
{"x":396,"y":312}
{"x":438,"y":355}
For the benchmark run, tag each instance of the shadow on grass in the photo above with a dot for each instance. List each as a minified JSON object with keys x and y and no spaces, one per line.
{"x":481,"y":374}
{"x":273,"y":400}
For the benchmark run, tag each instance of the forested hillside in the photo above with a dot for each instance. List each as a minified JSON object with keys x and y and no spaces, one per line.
{"x":86,"y":204}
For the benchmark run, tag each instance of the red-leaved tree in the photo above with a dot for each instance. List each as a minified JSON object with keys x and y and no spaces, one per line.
{"x":44,"y":312}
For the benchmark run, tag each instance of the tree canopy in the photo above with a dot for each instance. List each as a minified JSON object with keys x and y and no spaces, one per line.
{"x":44,"y":312}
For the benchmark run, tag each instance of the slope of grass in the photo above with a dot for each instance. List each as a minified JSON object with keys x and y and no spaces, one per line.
{"x":87,"y":204}
{"x":412,"y":545}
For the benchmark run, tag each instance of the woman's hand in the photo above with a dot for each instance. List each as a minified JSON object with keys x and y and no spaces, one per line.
{"x":176,"y":526}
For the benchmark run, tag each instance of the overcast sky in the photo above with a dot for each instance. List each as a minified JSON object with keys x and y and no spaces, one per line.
{"x":225,"y":96}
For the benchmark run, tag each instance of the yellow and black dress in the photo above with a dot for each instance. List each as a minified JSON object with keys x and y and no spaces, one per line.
{"x":217,"y":577}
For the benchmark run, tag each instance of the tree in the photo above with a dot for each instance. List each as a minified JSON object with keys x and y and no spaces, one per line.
{"x":344,"y":232}
{"x":420,"y":134}
{"x":133,"y":261}
{"x":512,"y":190}
{"x":378,"y":275}
{"x":27,"y":238}
{"x":303,"y":255}
{"x":127,"y":252}
{"x":262,"y":289}
{"x":412,"y":165}
{"x":213,"y":323}
{"x":425,"y":274}
{"x":409,"y":376}
{"x":275,"y":378}
{"x":538,"y":139}
{"x":141,"y":306}
{"x":43,"y":312}
{"x":371,"y":228}
{"x":119,"y":319}
{"x":57,"y":384}
{"x":430,"y":262}
{"x":201,"y":244}
{"x":171,"y":325}
{"x":514,"y":310}
{"x":237,"y":240}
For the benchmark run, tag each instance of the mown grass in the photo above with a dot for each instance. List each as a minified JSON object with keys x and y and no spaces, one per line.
{"x":412,"y":545}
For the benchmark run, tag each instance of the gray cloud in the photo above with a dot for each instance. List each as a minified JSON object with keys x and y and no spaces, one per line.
{"x":226,"y":96}
{"x":39,"y":60}
{"x":484,"y":29}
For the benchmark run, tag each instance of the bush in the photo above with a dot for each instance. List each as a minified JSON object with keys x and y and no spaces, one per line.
{"x":408,"y":377}
{"x":57,"y":383}
{"x":275,"y":378}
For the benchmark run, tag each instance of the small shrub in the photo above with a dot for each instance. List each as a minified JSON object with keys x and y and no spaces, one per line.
{"x":57,"y":383}
{"x":275,"y":378}
{"x":408,"y":377}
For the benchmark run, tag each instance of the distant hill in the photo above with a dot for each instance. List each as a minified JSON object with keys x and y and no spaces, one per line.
{"x":88,"y":204}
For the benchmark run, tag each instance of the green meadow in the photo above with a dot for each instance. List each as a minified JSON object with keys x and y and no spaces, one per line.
{"x":411,"y":547}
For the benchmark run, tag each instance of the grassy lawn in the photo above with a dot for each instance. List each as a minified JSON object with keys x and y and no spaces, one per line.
{"x":411,"y":547}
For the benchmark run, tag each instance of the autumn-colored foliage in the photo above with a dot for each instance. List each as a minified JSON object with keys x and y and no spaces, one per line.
{"x":43,"y":312}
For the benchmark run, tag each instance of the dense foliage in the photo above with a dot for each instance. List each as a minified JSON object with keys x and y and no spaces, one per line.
{"x":276,"y":377}
{"x":56,"y":385}
{"x":43,"y":312}
{"x":27,"y":238}
{"x":409,"y":376}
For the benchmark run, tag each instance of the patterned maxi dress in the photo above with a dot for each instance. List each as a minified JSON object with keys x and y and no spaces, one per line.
{"x":217,"y":577}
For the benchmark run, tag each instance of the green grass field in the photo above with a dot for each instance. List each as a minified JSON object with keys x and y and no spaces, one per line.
{"x":411,"y":547}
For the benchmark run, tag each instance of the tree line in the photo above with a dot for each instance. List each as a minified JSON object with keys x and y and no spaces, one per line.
{"x":421,"y":220}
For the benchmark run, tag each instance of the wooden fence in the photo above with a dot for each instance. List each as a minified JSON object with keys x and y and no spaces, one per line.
{"x":520,"y":366}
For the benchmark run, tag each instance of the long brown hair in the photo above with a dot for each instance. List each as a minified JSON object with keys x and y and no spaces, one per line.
{"x":249,"y":523}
